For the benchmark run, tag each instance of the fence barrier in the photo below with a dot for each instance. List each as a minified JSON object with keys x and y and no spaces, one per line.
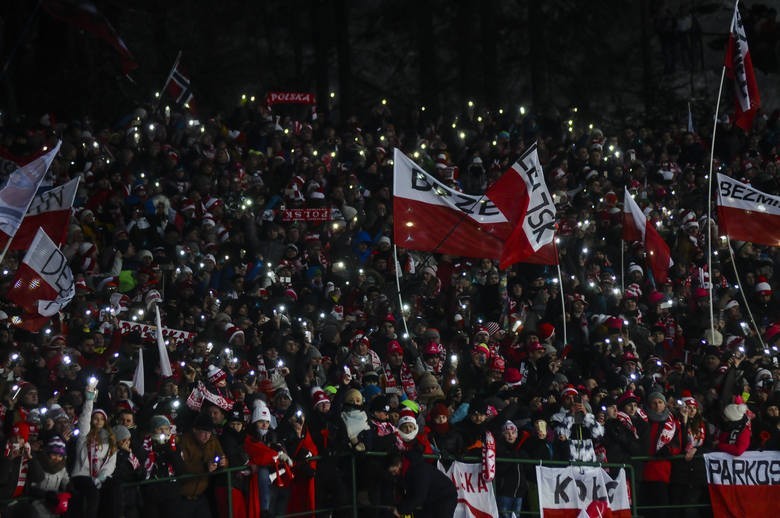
{"x":355,"y":507}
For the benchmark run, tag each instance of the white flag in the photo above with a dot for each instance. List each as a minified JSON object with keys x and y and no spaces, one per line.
{"x":165,"y":362}
{"x":18,"y":192}
{"x":138,"y":376}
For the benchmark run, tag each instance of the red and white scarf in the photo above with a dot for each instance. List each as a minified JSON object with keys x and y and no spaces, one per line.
{"x":695,"y":437}
{"x":489,"y":458}
{"x":626,"y":421}
{"x":383,"y":428}
{"x":151,"y":457}
{"x":23,"y":467}
{"x":97,"y":453}
{"x":407,"y":381}
{"x":668,"y":430}
{"x":200,"y":392}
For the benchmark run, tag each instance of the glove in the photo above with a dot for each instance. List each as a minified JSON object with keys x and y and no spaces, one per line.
{"x":98,"y":483}
{"x":284,"y":457}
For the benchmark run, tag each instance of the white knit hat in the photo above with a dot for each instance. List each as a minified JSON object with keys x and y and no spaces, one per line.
{"x":736,"y":410}
{"x":260,"y":412}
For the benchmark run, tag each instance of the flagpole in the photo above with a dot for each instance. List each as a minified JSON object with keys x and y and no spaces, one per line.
{"x":398,"y":287}
{"x":709,"y":202}
{"x":167,"y":80}
{"x":744,"y":297}
{"x":622,"y":265}
{"x":563,"y":303}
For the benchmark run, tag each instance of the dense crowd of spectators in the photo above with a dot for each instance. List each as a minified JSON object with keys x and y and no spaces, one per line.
{"x":301,"y":347}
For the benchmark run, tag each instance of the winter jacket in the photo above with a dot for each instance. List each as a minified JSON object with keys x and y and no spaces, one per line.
{"x":424,"y":486}
{"x":575,"y":436}
{"x":106,"y":460}
{"x":44,"y":482}
{"x":734,"y":438}
{"x":197,"y":457}
{"x":510,"y":477}
{"x":660,"y":470}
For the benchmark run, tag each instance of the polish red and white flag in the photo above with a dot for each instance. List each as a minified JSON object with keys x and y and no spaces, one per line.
{"x":43,"y":284}
{"x":747,"y":214}
{"x":636,"y":227}
{"x":513,"y":222}
{"x":739,"y":68}
{"x":49,"y":210}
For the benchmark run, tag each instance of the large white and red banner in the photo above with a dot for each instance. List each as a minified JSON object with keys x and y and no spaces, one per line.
{"x":149,"y":332}
{"x":636,"y":227}
{"x":748,"y":485}
{"x":739,"y":68}
{"x":476,"y":498}
{"x":43,"y":284}
{"x":49,"y":210}
{"x":580,"y":492}
{"x":433,"y":217}
{"x":747,"y":214}
{"x":18,"y":192}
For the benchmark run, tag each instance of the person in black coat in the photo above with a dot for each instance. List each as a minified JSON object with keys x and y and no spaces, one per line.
{"x":232,"y":442}
{"x":424,"y":487}
{"x":620,"y":437}
{"x":125,"y":502}
{"x":511,"y":483}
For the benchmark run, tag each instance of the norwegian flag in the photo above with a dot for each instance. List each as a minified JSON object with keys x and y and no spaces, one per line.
{"x":739,"y":67}
{"x":178,"y":85}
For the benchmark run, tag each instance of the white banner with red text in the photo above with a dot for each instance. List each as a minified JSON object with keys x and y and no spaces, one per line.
{"x":579,"y":492}
{"x":748,"y":485}
{"x":476,"y":498}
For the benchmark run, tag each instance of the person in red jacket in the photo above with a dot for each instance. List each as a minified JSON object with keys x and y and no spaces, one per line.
{"x":734,"y":437}
{"x":661,"y":439}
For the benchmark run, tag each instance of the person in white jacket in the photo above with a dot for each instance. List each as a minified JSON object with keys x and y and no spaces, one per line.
{"x":95,"y":456}
{"x":49,"y":478}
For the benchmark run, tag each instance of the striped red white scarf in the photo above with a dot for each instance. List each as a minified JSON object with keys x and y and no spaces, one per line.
{"x":668,"y":430}
{"x":407,"y":381}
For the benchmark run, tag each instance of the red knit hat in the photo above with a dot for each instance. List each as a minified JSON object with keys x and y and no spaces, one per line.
{"x":393,"y":347}
{"x":319,"y":397}
{"x":569,"y":390}
{"x":545,"y":331}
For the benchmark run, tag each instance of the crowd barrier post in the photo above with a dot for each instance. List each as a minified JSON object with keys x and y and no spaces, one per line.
{"x":354,"y":486}
{"x":230,"y":493}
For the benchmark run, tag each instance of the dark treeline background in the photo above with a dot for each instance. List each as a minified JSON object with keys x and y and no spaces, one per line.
{"x":606,"y":57}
